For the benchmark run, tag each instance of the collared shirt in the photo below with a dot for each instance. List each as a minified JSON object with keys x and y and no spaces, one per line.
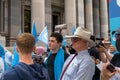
{"x":81,"y":68}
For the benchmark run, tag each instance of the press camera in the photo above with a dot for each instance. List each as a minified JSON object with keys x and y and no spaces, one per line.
{"x":99,"y":42}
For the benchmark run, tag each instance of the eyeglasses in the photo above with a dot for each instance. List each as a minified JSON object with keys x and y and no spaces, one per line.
{"x":75,"y":39}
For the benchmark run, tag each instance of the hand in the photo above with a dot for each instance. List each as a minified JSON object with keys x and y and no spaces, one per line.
{"x":105,"y":73}
{"x":112,"y":49}
{"x":102,"y":49}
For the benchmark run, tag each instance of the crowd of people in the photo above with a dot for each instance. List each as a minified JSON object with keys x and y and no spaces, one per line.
{"x":84,"y":59}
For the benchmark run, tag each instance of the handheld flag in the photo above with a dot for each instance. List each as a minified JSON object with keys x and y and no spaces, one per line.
{"x":19,"y":32}
{"x":73,"y":30}
{"x":44,"y":35}
{"x":34,"y":32}
{"x":2,"y":55}
{"x":16,"y":55}
{"x":8,"y":57}
{"x":1,"y":66}
{"x":64,"y":43}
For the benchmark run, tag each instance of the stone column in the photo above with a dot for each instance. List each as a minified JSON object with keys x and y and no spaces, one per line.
{"x":80,"y":13}
{"x":4,"y":17}
{"x":70,"y":14}
{"x":96,"y":18}
{"x":38,"y":14}
{"x":1,"y":14}
{"x":89,"y":15}
{"x":104,"y":18}
{"x":48,"y":15}
{"x":14,"y":18}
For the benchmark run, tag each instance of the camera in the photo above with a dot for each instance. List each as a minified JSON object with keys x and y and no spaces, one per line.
{"x":100,"y":42}
{"x":111,"y":67}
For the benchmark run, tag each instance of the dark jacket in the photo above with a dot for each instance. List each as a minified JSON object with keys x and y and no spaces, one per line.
{"x":116,"y":60}
{"x":23,"y":71}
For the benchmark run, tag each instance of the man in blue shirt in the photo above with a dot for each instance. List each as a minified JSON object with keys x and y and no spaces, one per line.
{"x":79,"y":66}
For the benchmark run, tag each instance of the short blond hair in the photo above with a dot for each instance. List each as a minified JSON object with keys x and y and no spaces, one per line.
{"x":25,"y":43}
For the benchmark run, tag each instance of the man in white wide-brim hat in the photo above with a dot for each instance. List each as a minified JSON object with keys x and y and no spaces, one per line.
{"x":79,"y":66}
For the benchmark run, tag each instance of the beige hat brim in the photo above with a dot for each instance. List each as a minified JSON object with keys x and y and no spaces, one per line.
{"x":91,"y":42}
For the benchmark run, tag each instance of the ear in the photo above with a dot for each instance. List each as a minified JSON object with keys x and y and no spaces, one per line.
{"x":34,"y":48}
{"x":97,"y":61}
{"x":17,"y":49}
{"x":59,"y":43}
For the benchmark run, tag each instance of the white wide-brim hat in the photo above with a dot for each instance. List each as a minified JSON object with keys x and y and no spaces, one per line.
{"x":84,"y":34}
{"x":106,"y":40}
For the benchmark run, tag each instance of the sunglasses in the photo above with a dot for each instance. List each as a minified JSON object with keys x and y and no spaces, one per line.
{"x":75,"y":39}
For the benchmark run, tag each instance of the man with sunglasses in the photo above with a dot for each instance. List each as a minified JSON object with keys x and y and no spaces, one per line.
{"x":79,"y":66}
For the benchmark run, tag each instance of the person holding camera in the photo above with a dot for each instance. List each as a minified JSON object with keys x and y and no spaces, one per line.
{"x":108,"y":72}
{"x":106,"y":49}
{"x":115,"y":61}
{"x":110,"y":68}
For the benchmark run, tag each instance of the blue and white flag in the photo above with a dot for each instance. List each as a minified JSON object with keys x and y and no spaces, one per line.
{"x":34,"y":32}
{"x":64,"y":42}
{"x":44,"y":35}
{"x":1,"y":66}
{"x":19,"y":32}
{"x":16,"y":56}
{"x":15,"y":60}
{"x":114,"y":13}
{"x":8,"y":57}
{"x":73,"y":30}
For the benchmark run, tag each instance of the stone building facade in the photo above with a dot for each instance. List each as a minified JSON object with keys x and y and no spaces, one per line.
{"x":16,"y":15}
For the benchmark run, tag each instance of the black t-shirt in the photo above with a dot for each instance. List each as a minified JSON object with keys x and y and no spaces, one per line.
{"x":116,"y":60}
{"x":50,"y":64}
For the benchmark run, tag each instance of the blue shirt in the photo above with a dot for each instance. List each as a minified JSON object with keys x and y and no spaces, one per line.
{"x":81,"y":68}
